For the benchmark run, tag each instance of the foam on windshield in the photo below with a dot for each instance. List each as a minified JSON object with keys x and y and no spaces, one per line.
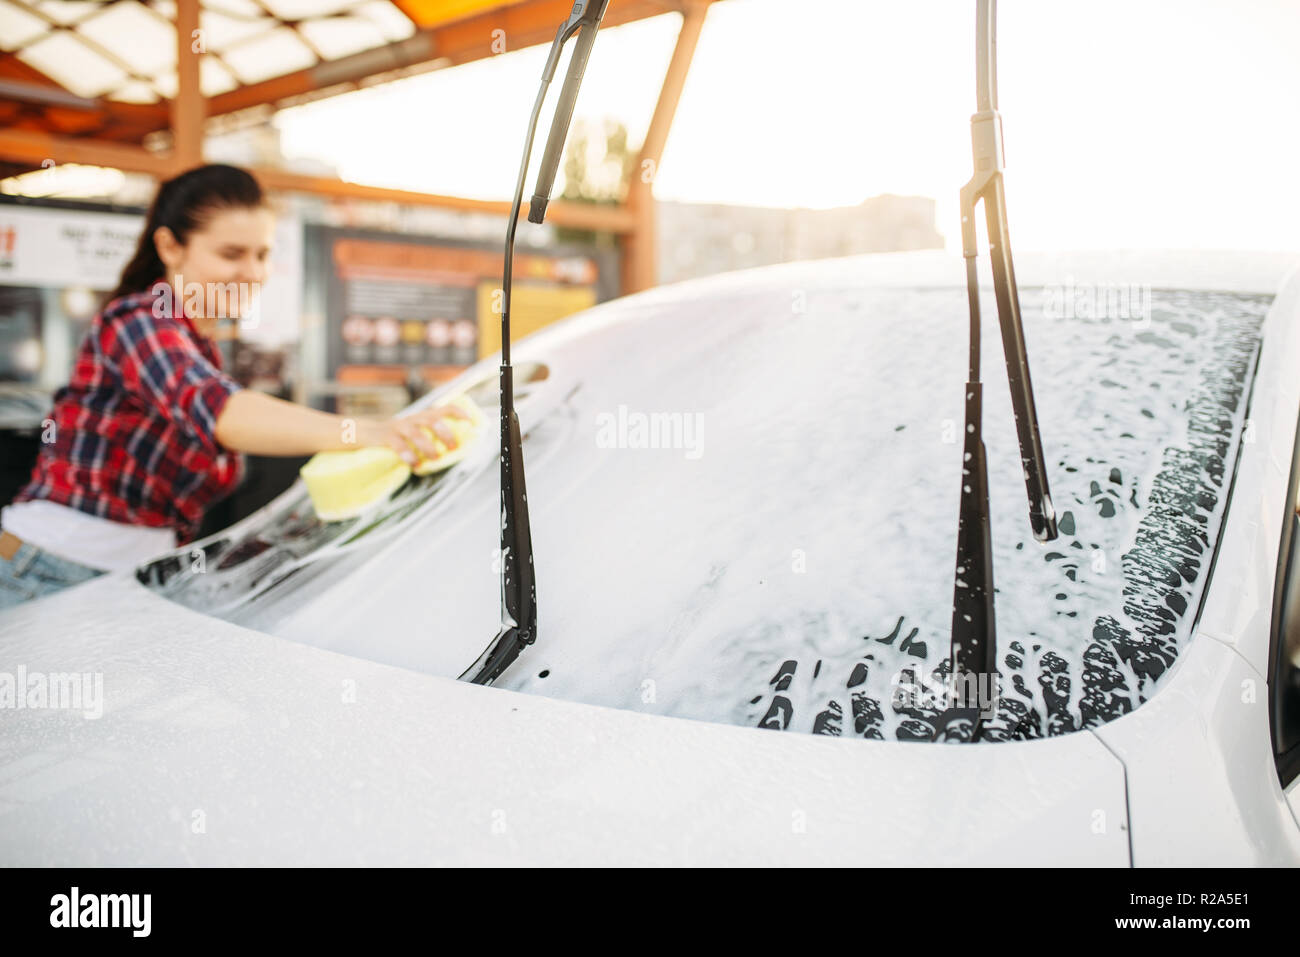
{"x":787,"y":565}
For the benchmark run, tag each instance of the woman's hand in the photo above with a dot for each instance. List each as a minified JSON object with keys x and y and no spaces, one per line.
{"x":406,"y":435}
{"x":264,"y":425}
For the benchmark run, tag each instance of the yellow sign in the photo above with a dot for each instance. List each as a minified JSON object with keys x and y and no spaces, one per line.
{"x":531,"y":308}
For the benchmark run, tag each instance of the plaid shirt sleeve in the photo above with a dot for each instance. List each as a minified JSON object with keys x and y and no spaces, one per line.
{"x":159,"y":361}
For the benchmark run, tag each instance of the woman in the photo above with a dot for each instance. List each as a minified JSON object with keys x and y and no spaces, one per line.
{"x":149,"y":430}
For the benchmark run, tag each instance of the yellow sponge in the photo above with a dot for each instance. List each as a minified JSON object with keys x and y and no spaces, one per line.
{"x":344,"y":484}
{"x":465,"y":432}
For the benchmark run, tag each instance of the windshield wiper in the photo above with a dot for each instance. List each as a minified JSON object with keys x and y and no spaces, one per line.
{"x":974,"y":641}
{"x":518,"y":586}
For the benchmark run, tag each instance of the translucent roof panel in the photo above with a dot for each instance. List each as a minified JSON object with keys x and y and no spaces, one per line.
{"x":340,"y":36}
{"x":65,"y":12}
{"x":215,"y":77}
{"x":279,"y":51}
{"x":17,"y":26}
{"x":222,"y":31}
{"x":136,"y":91}
{"x":73,"y":65}
{"x":392,"y":22}
{"x":306,"y":9}
{"x":136,"y":34}
{"x":125,"y":50}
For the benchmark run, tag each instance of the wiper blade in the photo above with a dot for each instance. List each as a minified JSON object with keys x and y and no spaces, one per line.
{"x":518,"y":586}
{"x":587,"y":16}
{"x":987,"y":184}
{"x":974,"y":643}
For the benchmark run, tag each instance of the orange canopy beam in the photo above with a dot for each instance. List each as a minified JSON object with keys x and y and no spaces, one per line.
{"x":475,"y":38}
{"x":22,"y":146}
{"x":188,"y":107}
{"x":611,"y":219}
{"x":639,"y":260}
{"x":35,"y":148}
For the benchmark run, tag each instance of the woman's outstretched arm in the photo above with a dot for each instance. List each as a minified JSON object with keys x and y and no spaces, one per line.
{"x":261,"y":424}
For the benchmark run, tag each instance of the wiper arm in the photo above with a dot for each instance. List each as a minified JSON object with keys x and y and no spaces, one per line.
{"x":587,"y":16}
{"x":974,"y":641}
{"x":518,"y":586}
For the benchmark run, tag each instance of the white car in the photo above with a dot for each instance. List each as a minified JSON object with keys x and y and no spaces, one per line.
{"x":743,"y":494}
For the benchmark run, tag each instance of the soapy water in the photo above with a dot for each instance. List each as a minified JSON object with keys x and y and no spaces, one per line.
{"x":836,"y":575}
{"x":789,"y":575}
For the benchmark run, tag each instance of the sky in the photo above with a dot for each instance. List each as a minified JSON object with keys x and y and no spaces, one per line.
{"x":1128,"y":123}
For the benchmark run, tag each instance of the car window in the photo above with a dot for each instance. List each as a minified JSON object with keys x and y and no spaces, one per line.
{"x":744,"y":509}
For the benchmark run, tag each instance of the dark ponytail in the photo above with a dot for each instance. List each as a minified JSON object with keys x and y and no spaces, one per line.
{"x":183,"y":204}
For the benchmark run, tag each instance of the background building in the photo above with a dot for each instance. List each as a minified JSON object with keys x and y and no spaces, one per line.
{"x":702,"y":239}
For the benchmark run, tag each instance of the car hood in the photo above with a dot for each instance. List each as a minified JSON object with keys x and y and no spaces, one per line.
{"x":221,"y":745}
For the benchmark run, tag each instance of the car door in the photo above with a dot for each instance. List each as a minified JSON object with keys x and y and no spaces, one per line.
{"x":1284,"y":653}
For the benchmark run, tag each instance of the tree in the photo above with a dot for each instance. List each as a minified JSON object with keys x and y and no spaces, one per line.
{"x":597,"y":164}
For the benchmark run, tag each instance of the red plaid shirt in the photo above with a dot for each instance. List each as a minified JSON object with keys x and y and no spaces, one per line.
{"x":134,"y":430}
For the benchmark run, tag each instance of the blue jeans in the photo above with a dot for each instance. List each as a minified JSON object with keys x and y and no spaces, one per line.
{"x":33,"y":572}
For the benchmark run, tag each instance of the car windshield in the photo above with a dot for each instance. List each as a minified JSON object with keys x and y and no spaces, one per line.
{"x":744,"y":506}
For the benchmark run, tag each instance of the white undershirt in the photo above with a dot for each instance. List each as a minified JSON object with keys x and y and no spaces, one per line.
{"x":84,"y":538}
